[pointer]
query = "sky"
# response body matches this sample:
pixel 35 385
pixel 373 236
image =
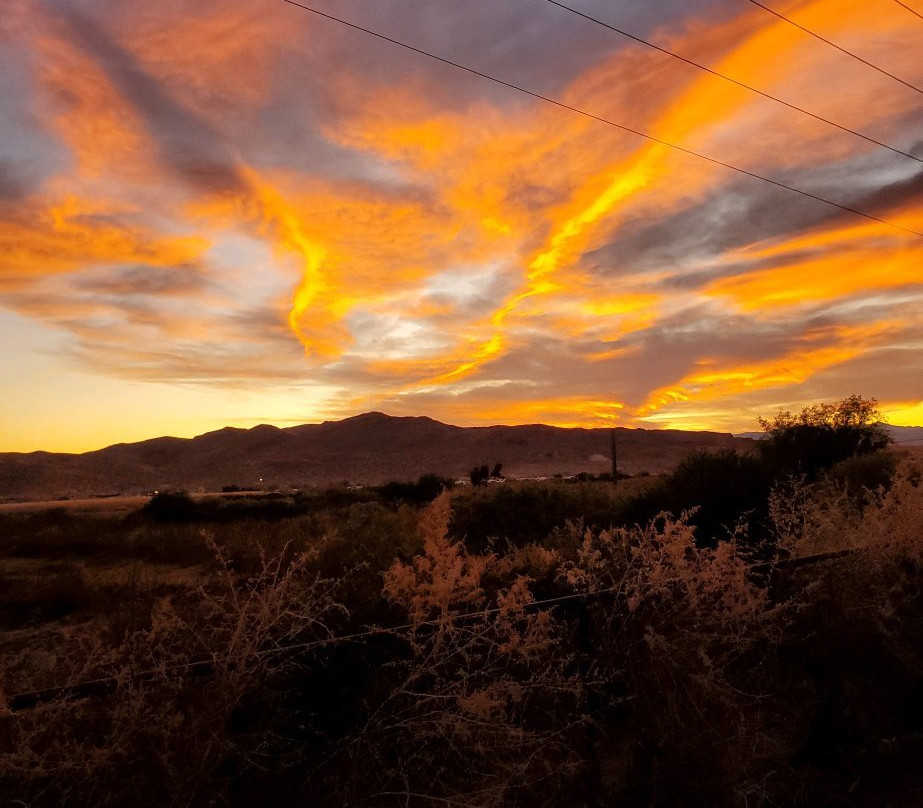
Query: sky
pixel 234 213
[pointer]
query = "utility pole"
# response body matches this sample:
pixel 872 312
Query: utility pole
pixel 615 471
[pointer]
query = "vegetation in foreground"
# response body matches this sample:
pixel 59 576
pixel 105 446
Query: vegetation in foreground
pixel 554 644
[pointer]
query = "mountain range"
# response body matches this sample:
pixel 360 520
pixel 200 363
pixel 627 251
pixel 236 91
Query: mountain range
pixel 367 449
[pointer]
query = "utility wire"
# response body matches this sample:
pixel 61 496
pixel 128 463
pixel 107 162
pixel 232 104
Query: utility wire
pixel 911 10
pixel 834 45
pixel 733 80
pixel 606 121
pixel 26 701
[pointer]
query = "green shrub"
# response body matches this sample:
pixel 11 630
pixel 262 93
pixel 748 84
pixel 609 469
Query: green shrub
pixel 422 492
pixel 863 473
pixel 522 514
pixel 170 506
pixel 727 490
pixel 722 491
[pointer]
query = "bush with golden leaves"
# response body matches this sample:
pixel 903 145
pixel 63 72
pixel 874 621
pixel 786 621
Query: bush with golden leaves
pixel 157 719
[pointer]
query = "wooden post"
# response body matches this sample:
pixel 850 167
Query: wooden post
pixel 615 470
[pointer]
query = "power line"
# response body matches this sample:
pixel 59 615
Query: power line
pixel 600 119
pixel 88 687
pixel 733 80
pixel 834 45
pixel 24 701
pixel 911 10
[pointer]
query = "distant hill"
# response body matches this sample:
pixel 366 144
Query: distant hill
pixel 367 449
pixel 906 435
pixel 901 435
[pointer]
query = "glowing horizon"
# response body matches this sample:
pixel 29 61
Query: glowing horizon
pixel 231 216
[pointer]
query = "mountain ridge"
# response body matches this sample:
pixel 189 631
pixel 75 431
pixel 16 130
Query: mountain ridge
pixel 369 448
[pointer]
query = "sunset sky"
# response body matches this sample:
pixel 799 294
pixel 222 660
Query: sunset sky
pixel 238 212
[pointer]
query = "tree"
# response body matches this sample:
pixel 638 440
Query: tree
pixel 822 435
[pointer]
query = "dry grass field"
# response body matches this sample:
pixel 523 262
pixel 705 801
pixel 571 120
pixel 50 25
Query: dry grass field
pixel 114 505
pixel 499 645
pixel 92 505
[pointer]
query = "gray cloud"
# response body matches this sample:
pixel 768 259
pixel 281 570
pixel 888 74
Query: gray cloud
pixel 143 281
pixel 732 217
pixel 512 177
pixel 13 187
pixel 187 143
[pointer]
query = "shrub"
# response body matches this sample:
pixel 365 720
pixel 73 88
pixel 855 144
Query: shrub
pixel 672 634
pixel 723 494
pixel 165 735
pixel 856 680
pixel 727 490
pixel 480 713
pixel 627 666
pixel 62 591
pixel 821 436
pixel 863 474
pixel 59 534
pixel 170 506
pixel 517 515
pixel 423 491
pixel 358 545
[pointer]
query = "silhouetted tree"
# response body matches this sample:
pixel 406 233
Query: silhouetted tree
pixel 479 475
pixel 820 436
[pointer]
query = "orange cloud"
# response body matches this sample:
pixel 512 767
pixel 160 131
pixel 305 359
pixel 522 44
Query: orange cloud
pixel 88 114
pixel 420 245
pixel 76 233
pixel 316 296
pixel 245 43
pixel 817 350
pixel 562 411
pixel 776 57
pixel 473 174
pixel 825 266
pixel 653 179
